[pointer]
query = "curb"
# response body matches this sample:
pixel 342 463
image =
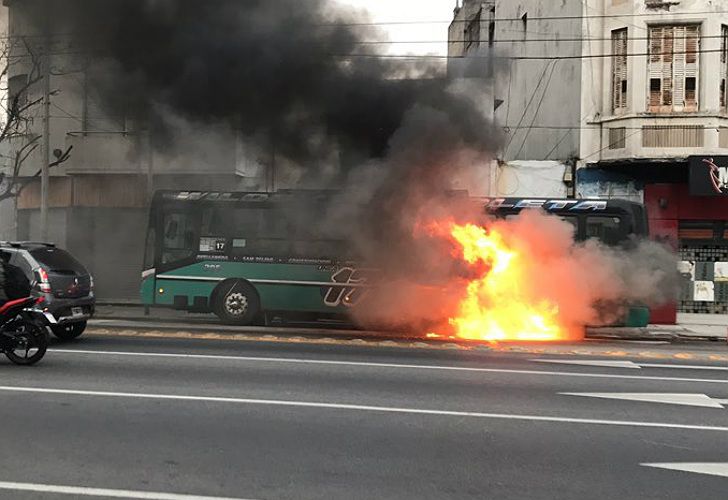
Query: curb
pixel 556 349
pixel 676 334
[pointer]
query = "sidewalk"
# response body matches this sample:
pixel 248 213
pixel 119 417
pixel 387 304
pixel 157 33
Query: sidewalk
pixel 689 327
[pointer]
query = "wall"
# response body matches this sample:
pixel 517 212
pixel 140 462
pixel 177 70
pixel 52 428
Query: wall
pixel 540 97
pixel 110 243
pixel 531 179
pixel 29 224
pixel 7 220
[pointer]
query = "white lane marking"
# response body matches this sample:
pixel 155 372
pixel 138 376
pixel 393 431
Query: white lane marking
pixel 102 492
pixel 685 367
pixel 365 408
pixel 591 362
pixel 646 397
pixel 628 364
pixel 711 468
pixel 385 365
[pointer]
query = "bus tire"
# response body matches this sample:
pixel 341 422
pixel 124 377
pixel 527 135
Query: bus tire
pixel 236 302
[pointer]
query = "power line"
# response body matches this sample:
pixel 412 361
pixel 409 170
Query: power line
pixel 538 108
pixel 442 57
pixel 527 58
pixel 518 40
pixel 533 96
pixel 546 157
pixel 521 19
pixel 598 126
pixel 506 40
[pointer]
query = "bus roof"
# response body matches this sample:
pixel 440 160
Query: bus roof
pixel 561 205
pixel 254 196
pixel 237 196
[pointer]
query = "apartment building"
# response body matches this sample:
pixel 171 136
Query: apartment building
pixel 633 94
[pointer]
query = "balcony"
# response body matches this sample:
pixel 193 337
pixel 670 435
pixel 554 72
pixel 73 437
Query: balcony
pixel 658 136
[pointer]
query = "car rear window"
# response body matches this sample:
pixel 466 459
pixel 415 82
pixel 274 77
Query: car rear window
pixel 55 259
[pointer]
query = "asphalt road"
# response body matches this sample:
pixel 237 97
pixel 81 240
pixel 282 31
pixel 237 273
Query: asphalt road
pixel 162 418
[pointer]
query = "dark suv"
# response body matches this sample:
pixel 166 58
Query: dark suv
pixel 67 286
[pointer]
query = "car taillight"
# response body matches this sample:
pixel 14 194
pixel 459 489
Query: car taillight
pixel 44 285
pixel 91 282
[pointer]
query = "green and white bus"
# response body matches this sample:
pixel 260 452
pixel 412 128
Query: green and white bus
pixel 242 255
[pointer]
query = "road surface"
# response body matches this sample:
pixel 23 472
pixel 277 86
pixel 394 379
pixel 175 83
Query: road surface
pixel 176 419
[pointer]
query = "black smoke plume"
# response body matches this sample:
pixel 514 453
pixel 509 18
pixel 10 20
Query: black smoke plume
pixel 292 75
pixel 296 77
pixel 284 71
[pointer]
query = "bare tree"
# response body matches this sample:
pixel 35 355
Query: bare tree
pixel 20 72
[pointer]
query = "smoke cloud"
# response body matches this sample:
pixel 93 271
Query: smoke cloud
pixel 589 283
pixel 291 73
pixel 296 80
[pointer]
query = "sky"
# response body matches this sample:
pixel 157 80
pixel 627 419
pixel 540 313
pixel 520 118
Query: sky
pixel 411 10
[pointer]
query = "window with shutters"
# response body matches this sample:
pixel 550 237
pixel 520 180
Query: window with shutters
pixel 673 68
pixel 619 70
pixel 724 69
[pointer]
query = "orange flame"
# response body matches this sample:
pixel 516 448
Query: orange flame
pixel 498 304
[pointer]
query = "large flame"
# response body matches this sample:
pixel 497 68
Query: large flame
pixel 498 304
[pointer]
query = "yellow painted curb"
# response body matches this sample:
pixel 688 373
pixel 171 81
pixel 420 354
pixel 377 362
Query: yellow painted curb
pixel 409 344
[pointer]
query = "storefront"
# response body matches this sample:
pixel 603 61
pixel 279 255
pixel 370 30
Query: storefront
pixel 693 217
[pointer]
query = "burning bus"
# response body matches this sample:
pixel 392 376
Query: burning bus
pixel 244 255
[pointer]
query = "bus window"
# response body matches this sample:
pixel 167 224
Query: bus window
pixel 179 240
pixel 605 229
pixel 574 221
pixel 259 232
pixel 571 219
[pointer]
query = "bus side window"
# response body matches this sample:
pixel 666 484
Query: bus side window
pixel 574 221
pixel 606 229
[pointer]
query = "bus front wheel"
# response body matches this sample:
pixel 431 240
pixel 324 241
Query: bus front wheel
pixel 236 302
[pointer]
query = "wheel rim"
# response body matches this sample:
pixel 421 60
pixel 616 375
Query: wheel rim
pixel 26 346
pixel 236 304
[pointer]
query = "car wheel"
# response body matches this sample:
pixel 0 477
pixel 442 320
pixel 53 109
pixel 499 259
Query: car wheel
pixel 69 331
pixel 236 302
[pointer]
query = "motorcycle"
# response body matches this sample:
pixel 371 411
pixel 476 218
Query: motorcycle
pixel 24 330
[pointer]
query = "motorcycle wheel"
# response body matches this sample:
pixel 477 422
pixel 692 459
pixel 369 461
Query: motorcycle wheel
pixel 31 346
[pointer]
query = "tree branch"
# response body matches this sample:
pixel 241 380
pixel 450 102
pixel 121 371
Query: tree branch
pixel 9 192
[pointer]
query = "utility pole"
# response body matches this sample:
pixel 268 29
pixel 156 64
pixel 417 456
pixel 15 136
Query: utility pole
pixel 45 146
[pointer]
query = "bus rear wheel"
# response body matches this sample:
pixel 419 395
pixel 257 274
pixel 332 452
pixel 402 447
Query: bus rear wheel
pixel 236 302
